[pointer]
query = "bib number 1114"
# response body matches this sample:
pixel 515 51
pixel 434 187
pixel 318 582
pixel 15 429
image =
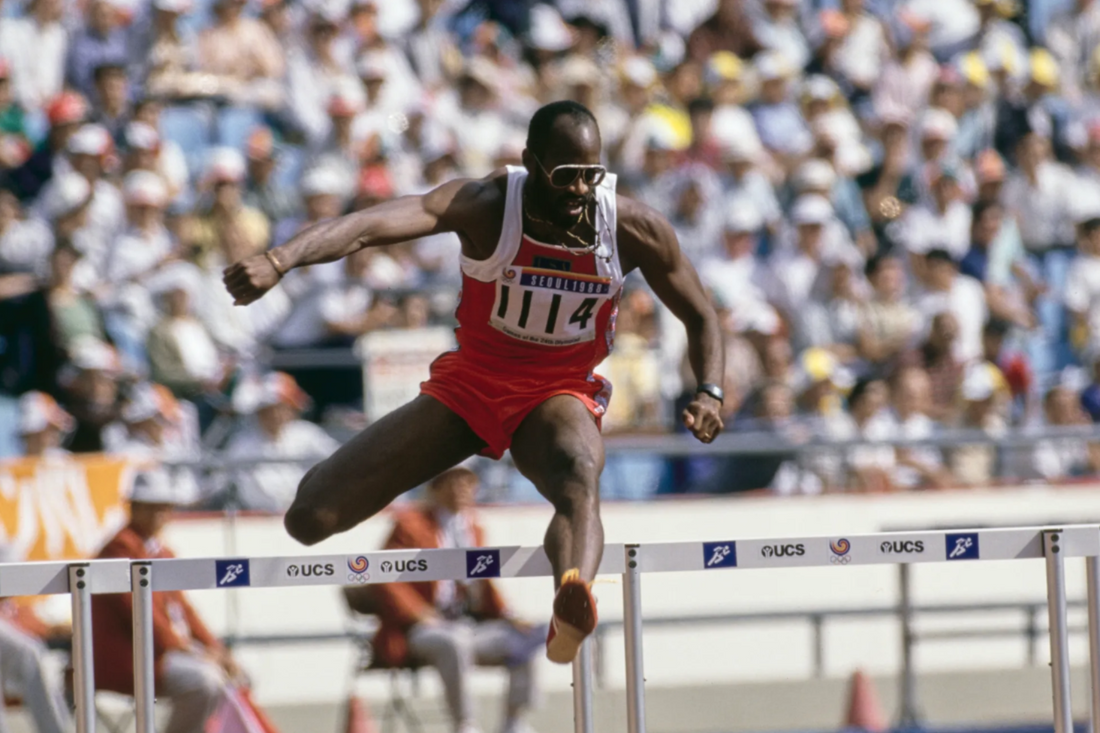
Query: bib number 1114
pixel 539 312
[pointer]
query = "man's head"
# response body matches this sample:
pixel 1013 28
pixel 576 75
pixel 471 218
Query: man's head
pixel 945 186
pixel 454 490
pixel 563 150
pixel 323 191
pixel 912 392
pixel 944 332
pixel 994 334
pixel 102 17
pixel 986 220
pixel 146 196
pixel 1062 406
pixel 88 150
pixel 225 173
pixel 887 277
pixel 810 214
pixel 942 269
pixel 278 400
pixel 42 423
pixel 112 87
pixel 867 397
pixel 152 503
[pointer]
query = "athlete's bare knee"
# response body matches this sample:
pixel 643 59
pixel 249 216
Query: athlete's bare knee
pixel 307 520
pixel 573 482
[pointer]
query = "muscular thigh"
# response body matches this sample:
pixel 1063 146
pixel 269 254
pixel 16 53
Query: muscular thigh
pixel 402 450
pixel 558 441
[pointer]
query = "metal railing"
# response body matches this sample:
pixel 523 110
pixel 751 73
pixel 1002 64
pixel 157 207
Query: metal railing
pixel 142 577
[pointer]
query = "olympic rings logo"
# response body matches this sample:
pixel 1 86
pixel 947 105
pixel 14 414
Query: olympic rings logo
pixel 840 549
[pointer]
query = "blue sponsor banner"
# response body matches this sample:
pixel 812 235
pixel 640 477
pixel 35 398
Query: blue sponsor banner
pixel 483 563
pixel 719 555
pixel 962 546
pixel 231 573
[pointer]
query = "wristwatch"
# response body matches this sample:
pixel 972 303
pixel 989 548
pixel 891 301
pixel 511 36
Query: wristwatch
pixel 712 390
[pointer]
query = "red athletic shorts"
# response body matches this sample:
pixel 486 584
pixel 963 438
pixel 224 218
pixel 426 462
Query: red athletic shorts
pixel 494 404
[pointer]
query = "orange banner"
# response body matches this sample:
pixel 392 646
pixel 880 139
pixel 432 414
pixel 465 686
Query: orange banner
pixel 61 507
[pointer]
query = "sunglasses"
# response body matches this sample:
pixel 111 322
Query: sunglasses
pixel 564 176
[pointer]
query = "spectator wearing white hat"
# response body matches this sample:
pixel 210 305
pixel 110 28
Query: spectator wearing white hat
pixel 830 318
pixel 145 243
pixel 182 354
pixel 817 176
pixel 92 392
pixel 746 185
pixel 193 669
pixel 919 466
pixel 694 207
pixel 777 29
pixel 170 63
pixel 324 189
pixel 477 123
pixel 276 432
pixel 778 119
pixel 737 277
pixel 146 150
pixel 795 269
pixel 983 393
pixel 243 57
pixel 315 71
pixel 88 151
pixel 864 50
pixel 35 46
pixel 43 425
pixel 64 207
pixel 228 230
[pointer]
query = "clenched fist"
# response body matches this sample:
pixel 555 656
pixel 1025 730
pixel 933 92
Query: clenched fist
pixel 702 418
pixel 250 278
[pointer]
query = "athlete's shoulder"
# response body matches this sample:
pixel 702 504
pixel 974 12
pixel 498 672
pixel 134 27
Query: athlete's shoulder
pixel 643 233
pixel 470 199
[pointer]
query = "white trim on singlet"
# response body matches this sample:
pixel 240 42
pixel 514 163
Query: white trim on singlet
pixel 511 232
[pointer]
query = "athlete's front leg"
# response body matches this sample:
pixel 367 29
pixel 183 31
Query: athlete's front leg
pixel 559 448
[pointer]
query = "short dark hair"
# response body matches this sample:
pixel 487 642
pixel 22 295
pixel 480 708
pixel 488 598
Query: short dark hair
pixel 996 327
pixel 700 105
pixel 860 388
pixel 940 255
pixel 542 122
pixel 108 67
pixel 980 207
pixel 875 263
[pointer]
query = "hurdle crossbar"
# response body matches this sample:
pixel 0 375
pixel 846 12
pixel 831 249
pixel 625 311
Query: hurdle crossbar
pixel 143 578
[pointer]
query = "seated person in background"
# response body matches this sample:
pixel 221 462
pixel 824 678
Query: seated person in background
pixel 276 433
pixel 192 667
pixel 93 393
pixel 983 393
pixel 919 466
pixel 24 667
pixel 1054 459
pixel 42 426
pixel 453 625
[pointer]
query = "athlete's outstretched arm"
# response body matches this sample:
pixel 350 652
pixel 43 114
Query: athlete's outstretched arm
pixel 647 242
pixel 444 209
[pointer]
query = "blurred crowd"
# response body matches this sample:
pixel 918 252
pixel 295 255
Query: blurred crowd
pixel 894 203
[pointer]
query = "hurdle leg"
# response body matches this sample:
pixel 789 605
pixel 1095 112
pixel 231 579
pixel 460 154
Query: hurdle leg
pixel 141 579
pixel 632 630
pixel 83 667
pixel 1092 570
pixel 1059 634
pixel 583 719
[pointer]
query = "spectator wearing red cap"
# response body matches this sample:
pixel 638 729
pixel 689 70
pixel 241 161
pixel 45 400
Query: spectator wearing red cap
pixel 228 230
pixel 65 113
pixel 276 432
pixel 35 46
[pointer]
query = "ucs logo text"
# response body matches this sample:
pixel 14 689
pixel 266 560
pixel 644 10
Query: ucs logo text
pixel 403 566
pixel 901 547
pixel 783 550
pixel 317 570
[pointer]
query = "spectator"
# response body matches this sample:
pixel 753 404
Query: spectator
pixel 276 433
pixel 919 466
pixel 936 356
pixel 87 153
pixel 146 151
pixel 171 61
pixel 144 244
pixel 182 354
pixel 634 365
pixel 795 270
pixel 947 290
pixel 864 50
pixel 228 230
pixel 74 312
pixel 344 147
pixel 14 144
pixel 243 56
pixel 747 186
pixel 868 468
pixel 192 667
pixel 315 71
pixel 739 278
pixel 65 113
pixel 264 191
pixel 996 259
pixel 43 425
pixel 1072 36
pixel 1036 109
pixel 830 319
pixel 982 392
pixel 888 323
pixel 777 30
pixel 25 244
pixel 1082 293
pixel 1055 459
pixel 978 117
pixel 778 119
pixel 694 208
pixel 93 393
pixel 35 46
pixel 453 625
pixel 101 42
pixel 944 225
pixel 727 30
pixel 112 96
pixel 906 80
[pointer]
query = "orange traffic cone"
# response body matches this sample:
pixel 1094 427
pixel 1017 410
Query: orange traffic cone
pixel 359 719
pixel 864 709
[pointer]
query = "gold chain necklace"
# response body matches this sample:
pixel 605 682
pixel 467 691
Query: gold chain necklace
pixel 586 247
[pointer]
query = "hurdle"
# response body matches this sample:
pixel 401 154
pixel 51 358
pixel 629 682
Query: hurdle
pixel 144 577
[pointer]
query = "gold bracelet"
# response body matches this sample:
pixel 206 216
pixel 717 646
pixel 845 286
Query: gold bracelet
pixel 274 262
